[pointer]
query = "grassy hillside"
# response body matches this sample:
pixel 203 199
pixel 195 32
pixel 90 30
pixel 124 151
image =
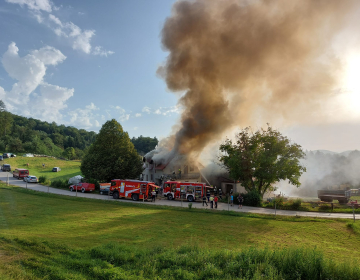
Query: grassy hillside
pixel 68 168
pixel 74 238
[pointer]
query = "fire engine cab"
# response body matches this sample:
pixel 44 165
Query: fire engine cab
pixel 190 191
pixel 133 189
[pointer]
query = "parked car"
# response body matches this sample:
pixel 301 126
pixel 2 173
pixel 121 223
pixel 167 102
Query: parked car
pixel 6 155
pixel 56 169
pixel 1 158
pixel 83 187
pixel 12 155
pixel 31 179
pixel 20 173
pixel 6 167
pixel 104 188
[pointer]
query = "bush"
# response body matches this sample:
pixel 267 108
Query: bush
pixel 296 204
pixel 252 198
pixel 60 184
pixel 42 179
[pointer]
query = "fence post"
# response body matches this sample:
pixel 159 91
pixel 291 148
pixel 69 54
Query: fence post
pixel 353 212
pixel 275 208
pixel 76 189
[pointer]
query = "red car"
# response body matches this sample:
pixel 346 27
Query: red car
pixel 83 187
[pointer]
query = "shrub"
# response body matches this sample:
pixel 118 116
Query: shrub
pixel 252 198
pixel 42 179
pixel 60 183
pixel 296 204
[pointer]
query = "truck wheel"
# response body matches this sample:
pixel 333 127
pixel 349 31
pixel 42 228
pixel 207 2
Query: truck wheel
pixel 169 196
pixel 190 198
pixel 135 197
pixel 82 190
pixel 115 195
pixel 71 189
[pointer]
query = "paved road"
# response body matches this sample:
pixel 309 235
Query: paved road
pixel 221 206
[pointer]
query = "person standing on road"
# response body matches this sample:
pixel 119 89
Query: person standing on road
pixel 153 195
pixel 216 201
pixel 204 200
pixel 208 196
pixel 211 202
pixel 241 200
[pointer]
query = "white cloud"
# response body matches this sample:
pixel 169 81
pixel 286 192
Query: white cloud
pixel 100 51
pixel 51 101
pixel 123 116
pixel 38 5
pixel 137 115
pixel 146 110
pixel 55 20
pixel 162 110
pixel 79 38
pixel 85 117
pixel 29 71
pixel 92 107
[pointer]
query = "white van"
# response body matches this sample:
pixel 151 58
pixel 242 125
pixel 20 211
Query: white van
pixel 56 169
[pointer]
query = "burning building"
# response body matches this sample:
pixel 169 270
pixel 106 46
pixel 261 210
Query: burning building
pixel 178 168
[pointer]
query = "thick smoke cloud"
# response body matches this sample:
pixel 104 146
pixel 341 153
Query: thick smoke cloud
pixel 326 171
pixel 243 62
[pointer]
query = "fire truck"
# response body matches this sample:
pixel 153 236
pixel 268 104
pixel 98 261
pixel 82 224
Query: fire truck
pixel 190 191
pixel 133 189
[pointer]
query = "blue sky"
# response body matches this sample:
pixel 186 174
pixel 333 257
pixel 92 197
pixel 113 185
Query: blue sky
pixel 104 58
pixel 81 63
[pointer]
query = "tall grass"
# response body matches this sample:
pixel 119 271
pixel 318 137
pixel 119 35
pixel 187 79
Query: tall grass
pixel 115 261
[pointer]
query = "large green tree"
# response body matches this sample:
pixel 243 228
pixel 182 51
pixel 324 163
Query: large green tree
pixel 112 155
pixel 260 159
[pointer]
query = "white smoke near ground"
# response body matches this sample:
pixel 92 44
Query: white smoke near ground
pixel 326 170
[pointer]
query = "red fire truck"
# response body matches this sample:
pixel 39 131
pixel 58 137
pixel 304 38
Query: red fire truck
pixel 190 191
pixel 133 189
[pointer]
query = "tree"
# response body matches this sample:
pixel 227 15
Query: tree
pixel 143 145
pixel 258 160
pixel 111 156
pixel 6 119
pixel 69 153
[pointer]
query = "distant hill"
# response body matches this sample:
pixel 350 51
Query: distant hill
pixel 22 135
pixel 327 152
pixel 28 135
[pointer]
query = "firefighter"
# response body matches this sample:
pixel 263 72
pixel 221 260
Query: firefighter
pixel 204 200
pixel 179 173
pixel 208 195
pixel 153 195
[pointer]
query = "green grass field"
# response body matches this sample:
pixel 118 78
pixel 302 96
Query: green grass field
pixel 76 238
pixel 68 168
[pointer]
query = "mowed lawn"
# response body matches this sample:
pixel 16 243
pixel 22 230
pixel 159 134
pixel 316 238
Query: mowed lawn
pixel 86 223
pixel 69 168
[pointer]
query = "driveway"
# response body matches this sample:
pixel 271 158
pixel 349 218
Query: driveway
pixel 4 176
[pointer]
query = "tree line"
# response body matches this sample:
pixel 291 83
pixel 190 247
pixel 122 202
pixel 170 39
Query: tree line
pixel 27 135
